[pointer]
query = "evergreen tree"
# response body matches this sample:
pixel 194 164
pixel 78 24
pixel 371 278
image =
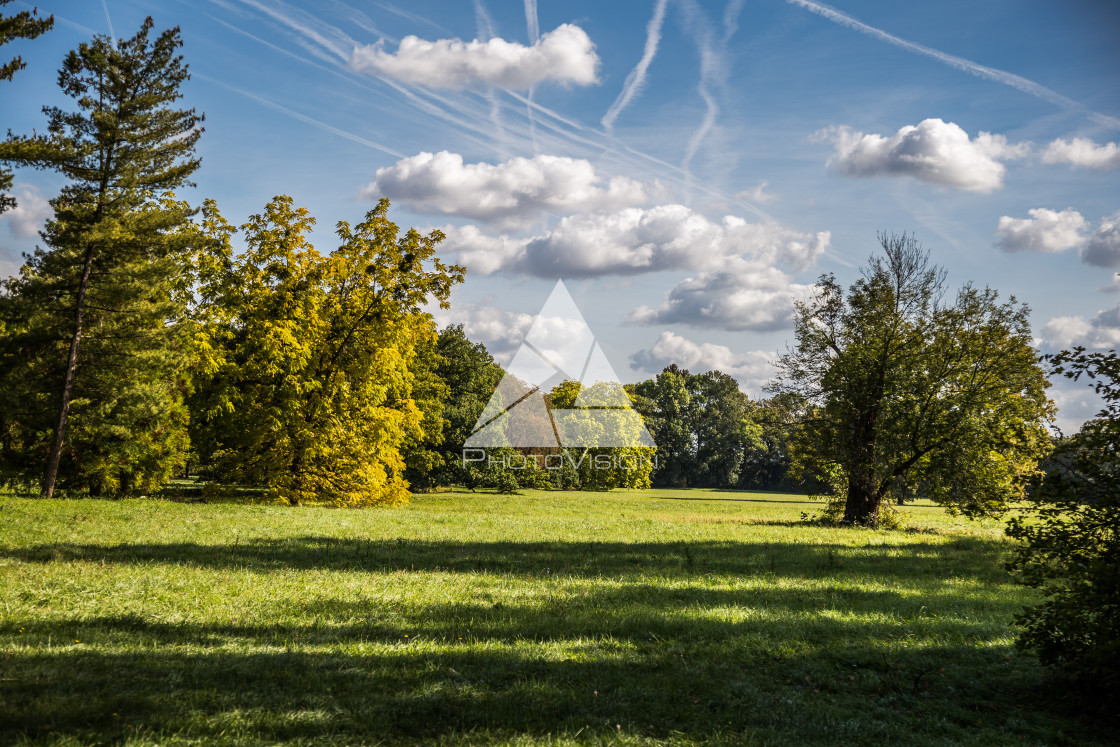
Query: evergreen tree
pixel 23 25
pixel 90 322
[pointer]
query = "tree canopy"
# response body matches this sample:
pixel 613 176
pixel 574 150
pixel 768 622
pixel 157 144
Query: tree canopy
pixel 908 391
pixel 308 359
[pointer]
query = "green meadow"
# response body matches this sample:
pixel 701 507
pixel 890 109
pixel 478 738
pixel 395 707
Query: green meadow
pixel 643 617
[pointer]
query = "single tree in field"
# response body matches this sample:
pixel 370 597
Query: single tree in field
pixel 906 390
pixel 1070 543
pixel 103 295
pixel 309 359
pixel 23 25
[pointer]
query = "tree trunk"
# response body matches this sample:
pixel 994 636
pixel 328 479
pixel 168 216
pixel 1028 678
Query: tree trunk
pixel 862 504
pixel 51 477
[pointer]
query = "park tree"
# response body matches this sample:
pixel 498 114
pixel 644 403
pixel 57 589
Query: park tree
pixel 905 390
pixel 602 467
pixel 466 377
pixel 766 465
pixel 1069 542
pixel 665 403
pixel 90 332
pixel 702 425
pixel 23 25
pixel 308 358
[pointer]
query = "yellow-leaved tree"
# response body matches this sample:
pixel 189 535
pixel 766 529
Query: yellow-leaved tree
pixel 307 358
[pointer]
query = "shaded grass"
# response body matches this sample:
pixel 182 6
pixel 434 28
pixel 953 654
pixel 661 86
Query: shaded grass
pixel 636 617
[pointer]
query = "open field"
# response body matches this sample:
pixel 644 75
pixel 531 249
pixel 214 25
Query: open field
pixel 633 617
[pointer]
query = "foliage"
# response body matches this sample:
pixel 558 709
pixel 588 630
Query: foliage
pixel 766 464
pixel 93 357
pixel 1070 542
pixel 703 426
pixel 23 25
pixel 906 390
pixel 602 468
pixel 467 375
pixel 309 358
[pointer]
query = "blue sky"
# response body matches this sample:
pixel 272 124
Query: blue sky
pixel 688 167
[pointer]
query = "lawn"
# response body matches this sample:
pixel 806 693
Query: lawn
pixel 650 617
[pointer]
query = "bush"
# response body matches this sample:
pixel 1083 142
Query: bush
pixel 1070 544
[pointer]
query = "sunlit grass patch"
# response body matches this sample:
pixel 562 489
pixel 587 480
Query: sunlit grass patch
pixel 637 617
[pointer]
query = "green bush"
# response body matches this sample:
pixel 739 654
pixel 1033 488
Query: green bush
pixel 1070 544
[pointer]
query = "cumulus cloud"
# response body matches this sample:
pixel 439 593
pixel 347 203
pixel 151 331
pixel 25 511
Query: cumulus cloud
pixel 1083 152
pixel 26 219
pixel 1103 247
pixel 564 55
pixel 510 194
pixel 1101 331
pixel 932 151
pixel 637 240
pixel 752 369
pixel 500 331
pixel 1045 231
pixel 746 297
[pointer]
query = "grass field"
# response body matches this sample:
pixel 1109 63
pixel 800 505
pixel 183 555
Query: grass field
pixel 652 617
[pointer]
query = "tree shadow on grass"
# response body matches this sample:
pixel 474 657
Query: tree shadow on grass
pixel 965 557
pixel 652 669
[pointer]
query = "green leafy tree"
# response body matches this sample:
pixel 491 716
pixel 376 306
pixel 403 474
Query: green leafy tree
pixel 665 404
pixel 1069 542
pixel 23 25
pixel 702 424
pixel 601 468
pixel 906 390
pixel 95 312
pixel 467 376
pixel 766 465
pixel 309 358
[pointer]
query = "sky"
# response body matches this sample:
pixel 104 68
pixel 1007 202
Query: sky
pixel 689 168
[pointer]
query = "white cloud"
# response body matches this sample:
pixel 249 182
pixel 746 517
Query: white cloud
pixel 26 219
pixel 1084 153
pixel 502 332
pixel 753 369
pixel 1045 231
pixel 1103 247
pixel 564 55
pixel 512 193
pixel 932 151
pixel 747 297
pixel 637 240
pixel 1102 331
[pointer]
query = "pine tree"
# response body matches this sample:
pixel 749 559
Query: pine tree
pixel 91 334
pixel 23 25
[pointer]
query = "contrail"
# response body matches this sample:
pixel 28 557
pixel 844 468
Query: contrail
pixel 533 26
pixel 108 20
pixel 486 32
pixel 637 77
pixel 531 21
pixel 968 66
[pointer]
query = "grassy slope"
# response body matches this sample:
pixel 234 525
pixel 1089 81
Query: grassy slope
pixel 664 616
